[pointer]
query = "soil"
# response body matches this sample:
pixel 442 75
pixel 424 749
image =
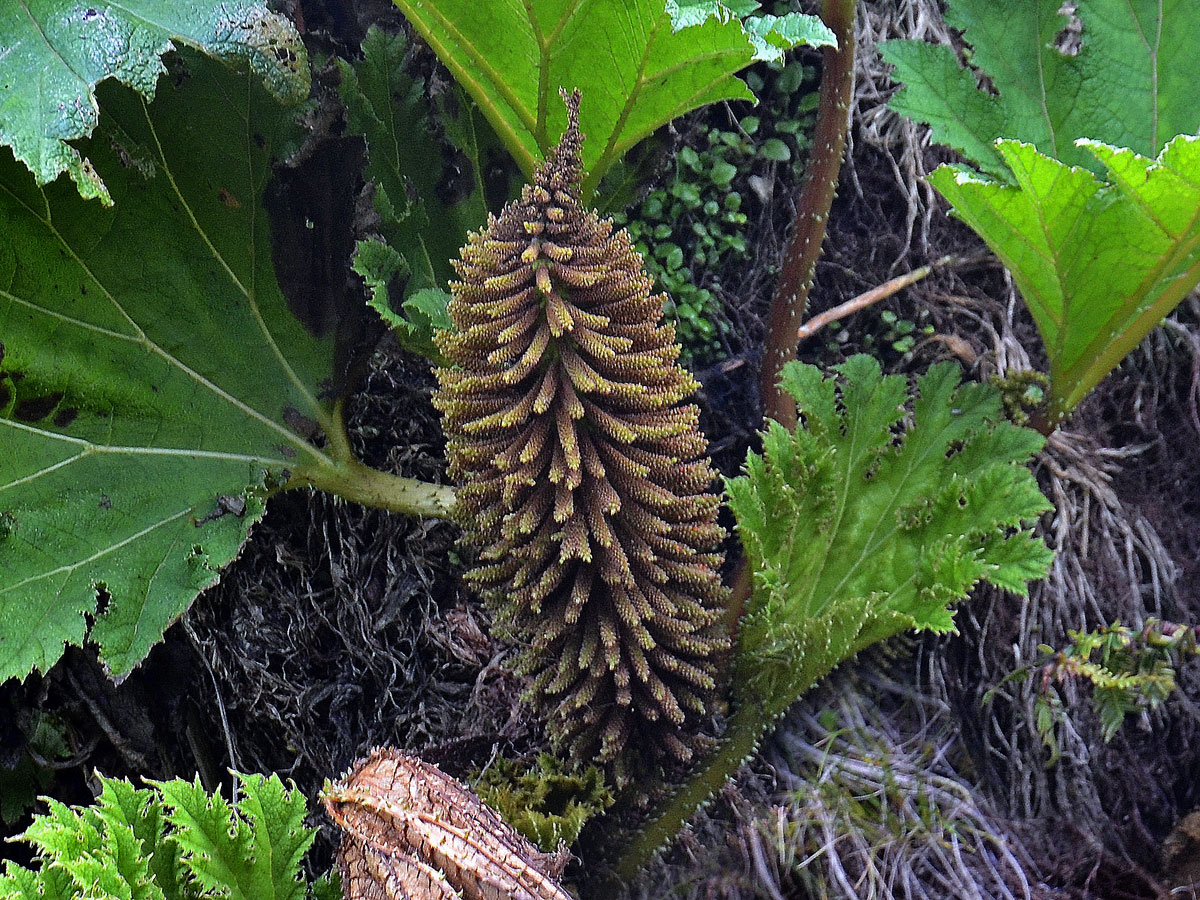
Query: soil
pixel 340 628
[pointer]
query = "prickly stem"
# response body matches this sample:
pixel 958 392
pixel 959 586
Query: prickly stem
pixel 746 728
pixel 808 231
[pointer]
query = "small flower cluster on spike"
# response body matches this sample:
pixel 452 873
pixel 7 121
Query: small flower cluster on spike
pixel 584 482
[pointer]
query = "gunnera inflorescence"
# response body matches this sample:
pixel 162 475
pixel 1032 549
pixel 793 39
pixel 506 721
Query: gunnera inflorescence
pixel 584 482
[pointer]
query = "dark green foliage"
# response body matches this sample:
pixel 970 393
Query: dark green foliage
pixel 407 159
pixel 885 336
pixel 547 804
pixel 901 334
pixel 693 228
pixel 40 740
pixel 693 222
pixel 424 310
pixel 409 164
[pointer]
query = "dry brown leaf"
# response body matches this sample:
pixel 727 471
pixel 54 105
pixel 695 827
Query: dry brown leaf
pixel 411 832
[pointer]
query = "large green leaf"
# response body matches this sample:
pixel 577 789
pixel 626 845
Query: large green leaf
pixel 854 535
pixel 153 383
pixel 1098 262
pixel 53 53
pixel 1101 251
pixel 635 70
pixel 1132 83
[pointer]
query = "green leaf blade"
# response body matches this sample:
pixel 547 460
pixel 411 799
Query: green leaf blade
pixel 214 843
pixel 279 839
pixel 636 70
pixel 1100 239
pixel 1099 264
pixel 58 51
pixel 121 804
pixel 19 883
pixel 855 534
pixel 1129 85
pixel 942 94
pixel 154 385
pixel 251 852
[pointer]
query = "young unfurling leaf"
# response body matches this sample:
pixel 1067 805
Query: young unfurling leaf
pixel 876 514
pixel 173 842
pixel 858 529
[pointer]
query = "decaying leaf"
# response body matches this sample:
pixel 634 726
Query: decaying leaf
pixel 411 832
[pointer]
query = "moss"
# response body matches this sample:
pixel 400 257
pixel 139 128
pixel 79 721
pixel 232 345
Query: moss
pixel 546 803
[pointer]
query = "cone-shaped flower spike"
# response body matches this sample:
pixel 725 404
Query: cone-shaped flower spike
pixel 584 482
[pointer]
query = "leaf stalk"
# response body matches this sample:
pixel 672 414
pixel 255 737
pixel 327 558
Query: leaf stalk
pixel 816 198
pixel 346 477
pixel 353 481
pixel 746 727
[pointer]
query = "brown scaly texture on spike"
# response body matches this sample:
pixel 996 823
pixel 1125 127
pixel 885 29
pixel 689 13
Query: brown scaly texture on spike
pixel 584 482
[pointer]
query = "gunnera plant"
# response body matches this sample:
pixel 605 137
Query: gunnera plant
pixel 585 489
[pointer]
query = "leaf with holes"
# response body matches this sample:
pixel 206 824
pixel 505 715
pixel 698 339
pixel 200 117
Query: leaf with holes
pixel 53 53
pixel 153 384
